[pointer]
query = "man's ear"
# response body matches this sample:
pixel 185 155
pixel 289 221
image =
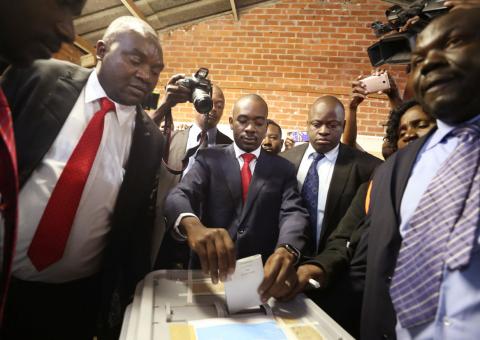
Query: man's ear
pixel 101 49
pixel 230 121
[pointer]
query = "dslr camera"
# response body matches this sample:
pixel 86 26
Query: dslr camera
pixel 201 89
pixel 396 48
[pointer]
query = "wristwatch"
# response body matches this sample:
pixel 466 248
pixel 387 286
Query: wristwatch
pixel 292 250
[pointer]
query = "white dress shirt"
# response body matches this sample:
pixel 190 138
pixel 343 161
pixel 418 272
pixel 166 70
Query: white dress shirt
pixel 325 172
pixel 87 239
pixel 193 141
pixel 238 155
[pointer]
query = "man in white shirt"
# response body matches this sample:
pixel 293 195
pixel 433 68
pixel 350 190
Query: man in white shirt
pixel 340 169
pixel 29 30
pixel 87 158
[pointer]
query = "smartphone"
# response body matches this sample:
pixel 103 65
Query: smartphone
pixel 299 136
pixel 376 83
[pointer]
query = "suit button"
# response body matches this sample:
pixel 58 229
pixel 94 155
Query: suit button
pixel 385 336
pixel 241 230
pixel 388 279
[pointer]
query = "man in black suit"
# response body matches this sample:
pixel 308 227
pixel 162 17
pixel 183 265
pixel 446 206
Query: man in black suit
pixel 173 254
pixel 438 285
pixel 236 217
pixel 341 168
pixel 29 30
pixel 87 177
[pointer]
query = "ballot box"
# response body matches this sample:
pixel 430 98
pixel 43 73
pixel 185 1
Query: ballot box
pixel 185 305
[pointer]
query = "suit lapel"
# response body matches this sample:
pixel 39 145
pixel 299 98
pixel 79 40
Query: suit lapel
pixel 403 168
pixel 297 155
pixel 341 173
pixel 36 136
pixel 178 148
pixel 260 175
pixel 137 182
pixel 232 177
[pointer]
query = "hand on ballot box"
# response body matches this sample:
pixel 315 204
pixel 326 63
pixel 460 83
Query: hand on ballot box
pixel 213 246
pixel 306 274
pixel 280 277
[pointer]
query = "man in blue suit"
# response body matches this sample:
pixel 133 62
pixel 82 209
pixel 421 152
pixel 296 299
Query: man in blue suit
pixel 239 200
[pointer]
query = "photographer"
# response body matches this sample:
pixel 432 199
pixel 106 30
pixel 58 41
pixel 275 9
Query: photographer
pixel 183 146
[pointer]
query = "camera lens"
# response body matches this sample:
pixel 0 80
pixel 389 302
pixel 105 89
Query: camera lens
pixel 202 101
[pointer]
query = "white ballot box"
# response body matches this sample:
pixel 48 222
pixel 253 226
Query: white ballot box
pixel 185 305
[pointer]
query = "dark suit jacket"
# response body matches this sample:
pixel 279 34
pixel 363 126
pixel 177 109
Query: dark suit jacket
pixel 384 240
pixel 272 215
pixel 41 98
pixel 352 168
pixel 167 253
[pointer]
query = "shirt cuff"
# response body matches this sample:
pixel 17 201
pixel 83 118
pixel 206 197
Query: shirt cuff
pixel 177 234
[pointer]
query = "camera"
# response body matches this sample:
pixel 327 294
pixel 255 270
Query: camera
pixel 396 48
pixel 201 89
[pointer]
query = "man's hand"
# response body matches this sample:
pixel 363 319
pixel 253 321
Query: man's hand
pixel 279 275
pixel 213 246
pixel 174 94
pixel 305 273
pixel 289 142
pixel 359 93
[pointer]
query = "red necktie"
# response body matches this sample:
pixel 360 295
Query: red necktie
pixel 52 233
pixel 246 174
pixel 8 193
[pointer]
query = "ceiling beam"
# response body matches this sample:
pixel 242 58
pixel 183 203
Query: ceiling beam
pixel 234 9
pixel 84 45
pixel 133 9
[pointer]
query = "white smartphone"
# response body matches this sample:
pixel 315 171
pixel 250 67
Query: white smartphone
pixel 376 83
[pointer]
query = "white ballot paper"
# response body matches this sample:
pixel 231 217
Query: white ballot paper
pixel 241 289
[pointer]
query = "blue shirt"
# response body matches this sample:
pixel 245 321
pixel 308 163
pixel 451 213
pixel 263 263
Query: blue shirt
pixel 458 314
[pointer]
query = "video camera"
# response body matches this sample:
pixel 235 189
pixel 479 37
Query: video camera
pixel 201 89
pixel 396 48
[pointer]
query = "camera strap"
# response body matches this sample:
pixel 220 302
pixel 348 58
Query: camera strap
pixel 167 132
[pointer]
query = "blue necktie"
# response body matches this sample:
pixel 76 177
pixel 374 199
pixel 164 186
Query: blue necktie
pixel 310 195
pixel 441 232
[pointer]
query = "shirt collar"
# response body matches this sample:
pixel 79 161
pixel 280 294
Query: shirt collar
pixel 239 152
pixel 94 91
pixel 331 155
pixel 212 133
pixel 443 129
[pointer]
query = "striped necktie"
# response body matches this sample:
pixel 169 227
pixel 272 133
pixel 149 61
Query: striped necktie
pixel 441 232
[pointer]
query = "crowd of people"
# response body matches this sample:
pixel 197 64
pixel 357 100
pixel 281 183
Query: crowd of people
pixel 89 203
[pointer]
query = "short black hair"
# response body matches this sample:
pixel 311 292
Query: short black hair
pixel 393 122
pixel 272 122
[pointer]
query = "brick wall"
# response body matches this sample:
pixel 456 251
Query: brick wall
pixel 290 52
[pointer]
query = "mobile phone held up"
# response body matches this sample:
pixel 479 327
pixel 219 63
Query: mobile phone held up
pixel 376 83
pixel 299 136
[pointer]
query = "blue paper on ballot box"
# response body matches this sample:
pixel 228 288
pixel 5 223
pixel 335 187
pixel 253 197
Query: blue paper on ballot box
pixel 241 331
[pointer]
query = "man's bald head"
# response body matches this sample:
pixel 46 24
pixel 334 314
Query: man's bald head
pixel 128 24
pixel 249 122
pixel 329 103
pixel 326 121
pixel 250 98
pixel 446 66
